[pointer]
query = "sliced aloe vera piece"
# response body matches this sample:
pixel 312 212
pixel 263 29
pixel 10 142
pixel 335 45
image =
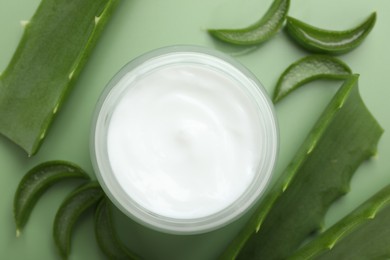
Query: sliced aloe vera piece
pixel 363 234
pixel 328 41
pixel 345 135
pixel 69 212
pixel 49 58
pixel 38 180
pixel 258 32
pixel 308 69
pixel 106 236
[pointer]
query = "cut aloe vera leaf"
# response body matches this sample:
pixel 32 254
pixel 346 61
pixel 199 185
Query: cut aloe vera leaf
pixel 78 201
pixel 363 234
pixel 258 32
pixel 49 58
pixel 308 69
pixel 327 41
pixel 345 135
pixel 36 182
pixel 106 236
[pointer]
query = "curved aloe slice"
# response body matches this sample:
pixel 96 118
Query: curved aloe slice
pixel 38 180
pixel 363 234
pixel 106 235
pixel 70 210
pixel 50 56
pixel 308 69
pixel 345 135
pixel 327 41
pixel 259 32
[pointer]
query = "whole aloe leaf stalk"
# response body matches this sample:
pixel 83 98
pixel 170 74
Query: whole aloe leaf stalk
pixel 363 234
pixel 50 55
pixel 345 135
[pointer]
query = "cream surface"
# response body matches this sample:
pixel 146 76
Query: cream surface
pixel 184 141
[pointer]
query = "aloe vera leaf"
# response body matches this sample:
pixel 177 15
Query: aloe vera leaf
pixel 329 41
pixel 53 50
pixel 308 69
pixel 345 135
pixel 36 182
pixel 258 32
pixel 106 236
pixel 70 210
pixel 362 234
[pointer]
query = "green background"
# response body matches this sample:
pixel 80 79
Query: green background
pixel 139 26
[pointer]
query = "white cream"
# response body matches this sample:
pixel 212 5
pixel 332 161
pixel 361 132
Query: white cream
pixel 184 140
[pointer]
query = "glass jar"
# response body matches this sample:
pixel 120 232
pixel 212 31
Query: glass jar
pixel 206 61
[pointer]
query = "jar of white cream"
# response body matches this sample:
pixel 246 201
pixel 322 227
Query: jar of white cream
pixel 184 140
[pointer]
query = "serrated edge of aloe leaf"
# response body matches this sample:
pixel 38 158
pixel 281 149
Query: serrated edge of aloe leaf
pixel 300 32
pixel 68 214
pixel 100 22
pixel 43 176
pixel 32 145
pixel 254 224
pixel 114 249
pixel 361 215
pixel 298 68
pixel 258 32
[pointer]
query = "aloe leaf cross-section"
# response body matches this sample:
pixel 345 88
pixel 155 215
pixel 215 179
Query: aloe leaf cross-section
pixel 50 55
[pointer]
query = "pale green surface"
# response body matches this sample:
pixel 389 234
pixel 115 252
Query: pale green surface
pixel 142 25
